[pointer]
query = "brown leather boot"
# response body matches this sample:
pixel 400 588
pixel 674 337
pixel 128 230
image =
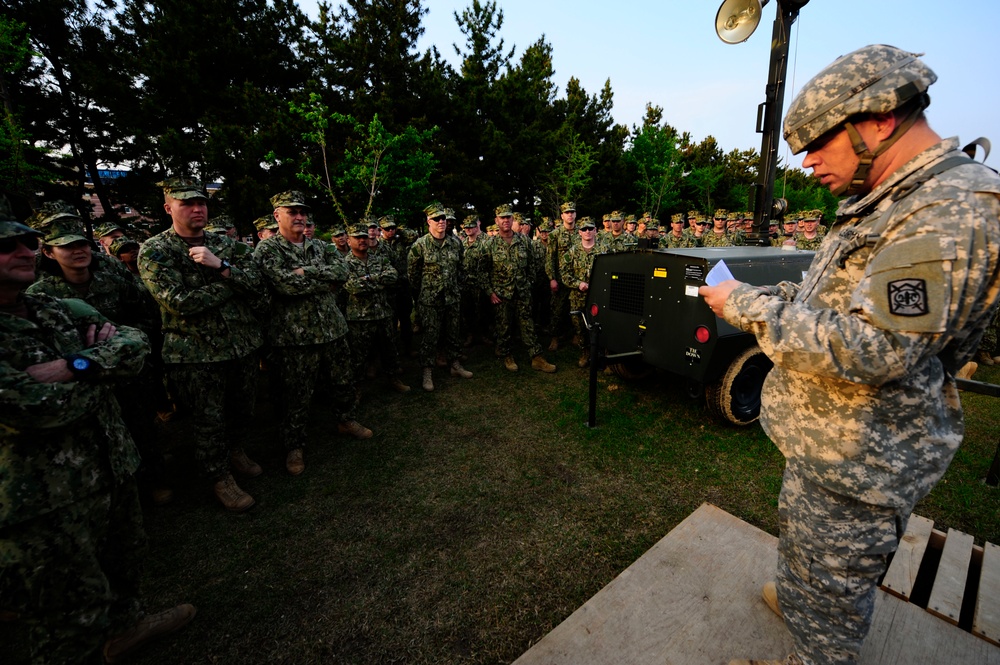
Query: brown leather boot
pixel 231 496
pixel 355 429
pixel 509 363
pixel 542 365
pixel 398 385
pixel 149 627
pixel 242 464
pixel 294 462
pixel 584 358
pixel 554 344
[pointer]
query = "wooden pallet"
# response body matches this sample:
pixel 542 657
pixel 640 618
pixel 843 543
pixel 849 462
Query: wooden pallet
pixel 949 576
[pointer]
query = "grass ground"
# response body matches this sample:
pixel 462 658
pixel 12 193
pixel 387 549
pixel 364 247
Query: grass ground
pixel 476 519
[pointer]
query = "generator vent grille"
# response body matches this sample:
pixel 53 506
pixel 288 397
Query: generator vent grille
pixel 628 290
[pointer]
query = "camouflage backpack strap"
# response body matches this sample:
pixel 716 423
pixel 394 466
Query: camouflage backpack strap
pixel 858 240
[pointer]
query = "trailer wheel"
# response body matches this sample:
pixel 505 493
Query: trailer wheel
pixel 631 370
pixel 735 397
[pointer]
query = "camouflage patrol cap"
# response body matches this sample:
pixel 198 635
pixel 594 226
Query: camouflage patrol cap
pixel 873 79
pixel 616 216
pixel 731 217
pixel 470 221
pixel 585 223
pixel 338 231
pixel 721 213
pixel 387 222
pixel 219 224
pixel 813 215
pixel 677 218
pixel 63 231
pixel 106 228
pixel 292 197
pixel 569 206
pixel 122 244
pixel 504 210
pixel 449 213
pixel 435 209
pixel 370 222
pixel 546 226
pixel 629 218
pixel 493 228
pixel 182 187
pixel 266 222
pixel 9 226
pixel 693 214
pixel 518 217
pixel 358 230
pixel 653 224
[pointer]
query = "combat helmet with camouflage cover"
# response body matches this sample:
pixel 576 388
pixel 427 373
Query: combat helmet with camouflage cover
pixel 873 79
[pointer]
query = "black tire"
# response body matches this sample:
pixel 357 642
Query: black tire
pixel 631 370
pixel 735 398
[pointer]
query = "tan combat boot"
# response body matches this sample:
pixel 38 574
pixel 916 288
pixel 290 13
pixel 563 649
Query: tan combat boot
pixel 554 344
pixel 294 462
pixel 459 371
pixel 398 385
pixel 355 429
pixel 542 365
pixel 770 595
pixel 968 369
pixel 232 497
pixel 509 363
pixel 149 627
pixel 584 358
pixel 242 464
pixel 428 380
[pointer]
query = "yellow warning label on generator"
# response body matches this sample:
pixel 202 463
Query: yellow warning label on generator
pixel 660 272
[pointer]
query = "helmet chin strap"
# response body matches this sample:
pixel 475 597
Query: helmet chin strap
pixel 866 156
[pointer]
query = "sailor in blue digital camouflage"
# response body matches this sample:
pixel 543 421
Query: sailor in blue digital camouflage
pixel 510 264
pixel 72 543
pixel 434 269
pixel 559 241
pixel 307 332
pixel 208 290
pixel 370 324
pixel 866 348
pixel 575 266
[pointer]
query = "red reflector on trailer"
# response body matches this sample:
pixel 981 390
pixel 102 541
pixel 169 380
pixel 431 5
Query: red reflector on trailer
pixel 702 334
pixel 594 310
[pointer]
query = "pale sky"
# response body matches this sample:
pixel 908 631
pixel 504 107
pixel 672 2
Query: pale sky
pixel 666 52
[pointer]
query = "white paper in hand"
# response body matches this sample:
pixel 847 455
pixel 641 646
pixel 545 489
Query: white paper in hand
pixel 718 274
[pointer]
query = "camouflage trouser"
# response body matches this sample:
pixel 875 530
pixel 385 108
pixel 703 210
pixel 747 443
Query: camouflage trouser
pixel 559 313
pixel 220 398
pixel 370 338
pixel 988 344
pixel 71 578
pixel 298 372
pixel 402 308
pixel 440 323
pixel 578 302
pixel 831 553
pixel 509 313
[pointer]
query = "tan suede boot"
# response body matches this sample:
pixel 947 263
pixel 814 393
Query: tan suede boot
pixel 148 628
pixel 231 496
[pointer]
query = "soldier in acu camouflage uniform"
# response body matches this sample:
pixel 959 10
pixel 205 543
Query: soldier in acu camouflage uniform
pixel 559 241
pixel 510 263
pixel 434 268
pixel 72 543
pixel 370 279
pixel 865 349
pixel 307 332
pixel 207 288
pixel 575 267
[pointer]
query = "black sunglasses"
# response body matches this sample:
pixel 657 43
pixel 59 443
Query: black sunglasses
pixel 9 245
pixel 439 218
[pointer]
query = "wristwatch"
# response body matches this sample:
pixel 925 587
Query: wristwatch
pixel 224 266
pixel 81 367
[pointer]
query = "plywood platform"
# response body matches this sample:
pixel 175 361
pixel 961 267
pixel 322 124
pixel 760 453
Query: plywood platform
pixel 694 598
